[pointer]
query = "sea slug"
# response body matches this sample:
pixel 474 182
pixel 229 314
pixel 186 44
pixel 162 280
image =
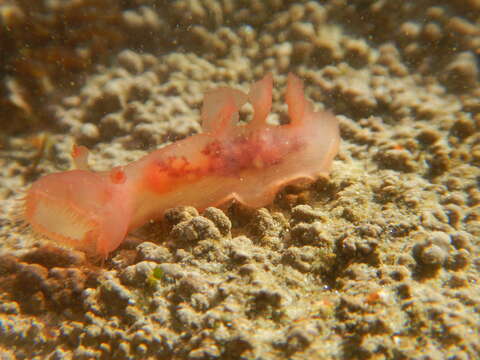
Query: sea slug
pixel 94 211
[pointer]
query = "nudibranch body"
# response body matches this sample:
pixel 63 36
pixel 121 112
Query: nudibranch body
pixel 94 211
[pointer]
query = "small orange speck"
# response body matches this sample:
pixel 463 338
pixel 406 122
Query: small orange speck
pixel 117 175
pixel 377 297
pixel 75 150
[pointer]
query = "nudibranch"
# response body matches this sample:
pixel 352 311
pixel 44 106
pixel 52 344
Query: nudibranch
pixel 94 211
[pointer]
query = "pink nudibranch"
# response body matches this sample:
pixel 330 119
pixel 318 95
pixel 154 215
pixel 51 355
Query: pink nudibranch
pixel 94 211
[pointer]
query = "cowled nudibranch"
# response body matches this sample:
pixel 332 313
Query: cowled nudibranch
pixel 94 211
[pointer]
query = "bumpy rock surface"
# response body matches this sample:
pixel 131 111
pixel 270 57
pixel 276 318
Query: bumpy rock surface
pixel 379 261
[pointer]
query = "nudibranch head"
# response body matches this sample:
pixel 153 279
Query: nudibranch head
pixel 79 208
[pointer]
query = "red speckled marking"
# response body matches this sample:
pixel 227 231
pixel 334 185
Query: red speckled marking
pixel 221 159
pixel 245 153
pixel 164 176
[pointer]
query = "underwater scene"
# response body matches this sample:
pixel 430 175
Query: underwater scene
pixel 239 179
